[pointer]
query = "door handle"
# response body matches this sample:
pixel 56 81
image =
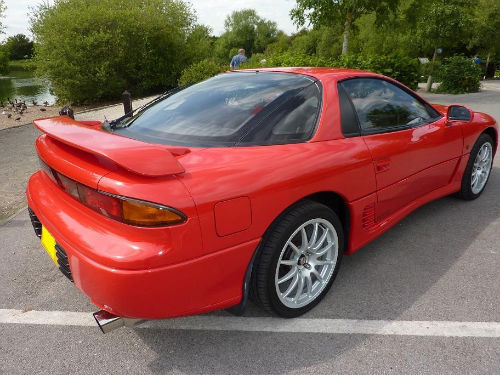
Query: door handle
pixel 382 165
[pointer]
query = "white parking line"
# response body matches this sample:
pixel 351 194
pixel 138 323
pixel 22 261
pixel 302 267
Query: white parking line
pixel 265 324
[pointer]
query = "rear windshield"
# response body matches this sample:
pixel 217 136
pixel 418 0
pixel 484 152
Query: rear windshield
pixel 231 109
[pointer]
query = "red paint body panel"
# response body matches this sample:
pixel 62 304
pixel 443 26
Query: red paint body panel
pixel 414 163
pixel 273 177
pixel 230 197
pixel 233 216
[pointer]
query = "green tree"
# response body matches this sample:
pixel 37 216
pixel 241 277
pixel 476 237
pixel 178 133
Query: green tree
pixel 442 24
pixel 199 43
pixel 19 47
pixel 305 42
pixel 4 56
pixel 245 29
pixel 93 50
pixel 394 35
pixel 4 60
pixel 332 12
pixel 486 28
pixel 282 44
pixel 2 14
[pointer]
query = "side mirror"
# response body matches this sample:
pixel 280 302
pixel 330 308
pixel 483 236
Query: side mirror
pixel 458 113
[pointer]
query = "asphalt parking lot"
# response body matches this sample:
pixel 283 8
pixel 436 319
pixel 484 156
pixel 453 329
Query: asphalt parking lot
pixel 424 298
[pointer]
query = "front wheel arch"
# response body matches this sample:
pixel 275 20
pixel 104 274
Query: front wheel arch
pixel 494 136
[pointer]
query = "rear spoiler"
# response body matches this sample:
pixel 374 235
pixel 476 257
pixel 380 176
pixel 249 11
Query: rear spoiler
pixel 135 156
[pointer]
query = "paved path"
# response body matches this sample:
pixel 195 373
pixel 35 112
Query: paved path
pixel 110 112
pixel 421 299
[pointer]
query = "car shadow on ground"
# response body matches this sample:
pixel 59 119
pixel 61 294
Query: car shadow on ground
pixel 384 280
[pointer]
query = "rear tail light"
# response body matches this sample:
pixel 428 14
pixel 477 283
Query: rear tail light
pixel 126 210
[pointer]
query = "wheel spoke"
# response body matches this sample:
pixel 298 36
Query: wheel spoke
pixel 291 286
pixel 304 239
pixel 309 284
pixel 290 262
pixel 485 163
pixel 300 288
pixel 482 178
pixel 314 235
pixel 320 241
pixel 288 276
pixel 482 153
pixel 316 273
pixel 474 179
pixel 324 250
pixel 486 154
pixel 294 248
pixel 323 262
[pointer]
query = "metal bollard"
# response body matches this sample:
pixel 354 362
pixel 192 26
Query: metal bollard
pixel 127 101
pixel 67 111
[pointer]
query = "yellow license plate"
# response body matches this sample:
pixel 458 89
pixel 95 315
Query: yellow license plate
pixel 49 244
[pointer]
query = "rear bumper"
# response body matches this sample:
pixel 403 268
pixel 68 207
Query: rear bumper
pixel 123 283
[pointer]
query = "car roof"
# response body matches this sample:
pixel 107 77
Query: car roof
pixel 319 73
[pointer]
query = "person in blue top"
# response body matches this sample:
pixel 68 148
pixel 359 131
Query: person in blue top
pixel 238 59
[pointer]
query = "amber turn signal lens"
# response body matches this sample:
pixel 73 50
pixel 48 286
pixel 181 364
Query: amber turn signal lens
pixel 143 214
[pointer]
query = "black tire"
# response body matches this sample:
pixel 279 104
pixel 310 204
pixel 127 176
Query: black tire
pixel 264 285
pixel 466 192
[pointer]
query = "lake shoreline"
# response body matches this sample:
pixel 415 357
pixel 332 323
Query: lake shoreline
pixel 30 114
pixel 95 111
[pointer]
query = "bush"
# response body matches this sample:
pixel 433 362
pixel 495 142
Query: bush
pixel 458 75
pixel 200 71
pixel 92 50
pixel 293 59
pixel 403 69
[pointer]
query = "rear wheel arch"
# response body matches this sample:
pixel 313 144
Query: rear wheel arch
pixel 331 199
pixel 338 204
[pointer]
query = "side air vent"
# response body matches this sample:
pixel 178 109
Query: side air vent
pixel 368 218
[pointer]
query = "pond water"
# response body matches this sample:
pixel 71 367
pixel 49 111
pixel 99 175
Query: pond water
pixel 23 85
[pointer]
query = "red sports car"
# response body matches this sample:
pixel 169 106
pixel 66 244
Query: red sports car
pixel 253 182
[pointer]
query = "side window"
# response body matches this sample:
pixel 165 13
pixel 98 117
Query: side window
pixel 292 121
pixel 382 105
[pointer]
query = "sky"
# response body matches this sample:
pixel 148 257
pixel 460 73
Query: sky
pixel 210 12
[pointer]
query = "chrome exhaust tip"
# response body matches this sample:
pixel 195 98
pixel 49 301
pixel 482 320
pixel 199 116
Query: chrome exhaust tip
pixel 108 322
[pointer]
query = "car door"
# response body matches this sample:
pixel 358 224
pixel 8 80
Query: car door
pixel 414 150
